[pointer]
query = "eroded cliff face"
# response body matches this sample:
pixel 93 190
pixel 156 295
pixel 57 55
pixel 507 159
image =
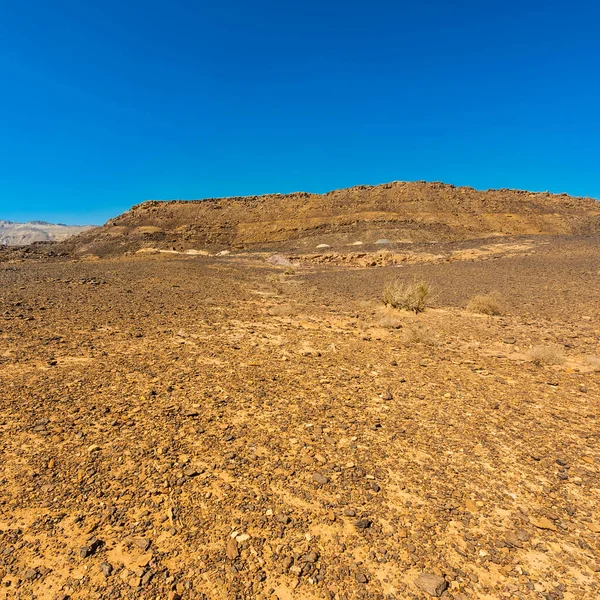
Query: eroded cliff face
pixel 398 212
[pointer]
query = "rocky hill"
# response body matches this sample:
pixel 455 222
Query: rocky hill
pixel 394 212
pixel 22 234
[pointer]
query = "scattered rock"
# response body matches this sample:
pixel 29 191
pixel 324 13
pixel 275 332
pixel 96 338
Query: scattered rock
pixel 543 523
pixel 320 479
pixel 512 539
pixel 142 543
pixel 31 574
pixel 434 585
pixel 90 548
pixel 283 518
pixel 232 550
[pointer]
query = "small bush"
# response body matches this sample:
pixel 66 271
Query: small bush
pixel 546 355
pixel 486 304
pixel 407 296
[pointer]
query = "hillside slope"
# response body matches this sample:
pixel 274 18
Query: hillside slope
pixel 398 211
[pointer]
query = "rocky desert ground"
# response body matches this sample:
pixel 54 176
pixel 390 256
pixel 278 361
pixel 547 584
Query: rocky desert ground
pixel 256 424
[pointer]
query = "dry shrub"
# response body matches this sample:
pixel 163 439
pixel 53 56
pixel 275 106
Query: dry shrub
pixel 419 335
pixel 593 362
pixel 407 296
pixel 281 310
pixel 486 304
pixel 546 355
pixel 390 322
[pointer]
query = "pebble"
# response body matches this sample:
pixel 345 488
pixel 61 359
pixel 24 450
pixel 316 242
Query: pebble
pixel 320 479
pixel 89 548
pixel 232 550
pixel 283 519
pixel 512 539
pixel 543 523
pixel 363 524
pixel 142 543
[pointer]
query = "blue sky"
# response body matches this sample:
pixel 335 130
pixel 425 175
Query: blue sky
pixel 106 104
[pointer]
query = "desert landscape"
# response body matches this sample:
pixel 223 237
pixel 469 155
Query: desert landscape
pixel 238 398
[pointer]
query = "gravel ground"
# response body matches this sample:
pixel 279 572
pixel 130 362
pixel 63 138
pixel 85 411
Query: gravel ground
pixel 197 427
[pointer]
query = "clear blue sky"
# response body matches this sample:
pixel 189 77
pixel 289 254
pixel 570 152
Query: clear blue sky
pixel 106 104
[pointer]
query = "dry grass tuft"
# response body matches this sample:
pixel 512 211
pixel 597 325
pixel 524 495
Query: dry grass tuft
pixel 390 322
pixel 486 304
pixel 407 296
pixel 546 355
pixel 593 362
pixel 281 310
pixel 419 335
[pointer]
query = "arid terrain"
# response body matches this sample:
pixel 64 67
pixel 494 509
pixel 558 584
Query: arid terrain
pixel 231 412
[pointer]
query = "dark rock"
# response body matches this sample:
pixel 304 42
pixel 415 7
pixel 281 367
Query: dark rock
pixel 90 548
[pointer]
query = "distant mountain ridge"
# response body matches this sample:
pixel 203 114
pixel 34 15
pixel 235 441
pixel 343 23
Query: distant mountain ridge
pixel 22 234
pixel 399 211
